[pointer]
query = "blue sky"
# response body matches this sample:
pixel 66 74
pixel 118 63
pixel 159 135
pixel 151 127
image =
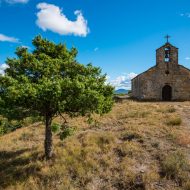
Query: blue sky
pixel 119 36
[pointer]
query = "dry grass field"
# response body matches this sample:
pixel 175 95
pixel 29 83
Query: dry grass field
pixel 139 145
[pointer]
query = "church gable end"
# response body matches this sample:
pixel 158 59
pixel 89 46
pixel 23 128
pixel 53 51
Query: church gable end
pixel 166 81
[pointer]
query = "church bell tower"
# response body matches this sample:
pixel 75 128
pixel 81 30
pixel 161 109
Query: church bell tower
pixel 167 56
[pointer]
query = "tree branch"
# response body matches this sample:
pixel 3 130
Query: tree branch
pixel 65 121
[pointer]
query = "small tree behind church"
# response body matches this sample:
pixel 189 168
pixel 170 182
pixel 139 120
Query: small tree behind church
pixel 49 81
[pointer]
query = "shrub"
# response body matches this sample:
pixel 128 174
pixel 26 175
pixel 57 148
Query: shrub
pixel 129 136
pixel 68 131
pixel 8 126
pixel 26 136
pixel 138 114
pixel 93 122
pixel 174 121
pixel 55 127
pixel 171 110
pixel 175 165
pixel 167 110
pixel 30 120
pixel 2 130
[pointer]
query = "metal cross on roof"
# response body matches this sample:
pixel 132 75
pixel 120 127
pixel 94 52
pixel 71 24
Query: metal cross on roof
pixel 167 37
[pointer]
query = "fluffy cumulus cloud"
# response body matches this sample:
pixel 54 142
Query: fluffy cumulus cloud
pixel 51 17
pixel 16 1
pixel 123 82
pixel 4 38
pixel 2 68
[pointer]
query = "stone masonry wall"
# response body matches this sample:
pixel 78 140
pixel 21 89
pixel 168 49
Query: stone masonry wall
pixel 149 85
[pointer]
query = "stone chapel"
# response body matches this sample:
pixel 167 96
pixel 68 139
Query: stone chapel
pixel 166 81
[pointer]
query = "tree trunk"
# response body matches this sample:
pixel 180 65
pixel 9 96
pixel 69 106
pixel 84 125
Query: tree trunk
pixel 48 138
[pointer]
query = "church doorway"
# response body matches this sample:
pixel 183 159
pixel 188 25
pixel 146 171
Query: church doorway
pixel 167 93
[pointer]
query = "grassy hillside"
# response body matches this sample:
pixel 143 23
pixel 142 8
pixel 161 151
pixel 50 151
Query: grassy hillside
pixel 136 146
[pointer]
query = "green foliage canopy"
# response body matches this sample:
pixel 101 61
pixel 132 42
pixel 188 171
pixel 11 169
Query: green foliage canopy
pixel 50 81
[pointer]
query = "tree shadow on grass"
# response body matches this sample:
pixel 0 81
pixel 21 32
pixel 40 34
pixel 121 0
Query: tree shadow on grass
pixel 16 167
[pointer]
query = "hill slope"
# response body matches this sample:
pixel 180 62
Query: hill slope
pixel 121 91
pixel 136 146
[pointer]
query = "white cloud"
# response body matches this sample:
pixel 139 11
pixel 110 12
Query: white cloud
pixel 16 1
pixel 4 38
pixel 187 58
pixel 123 81
pixel 185 15
pixel 2 68
pixel 132 75
pixel 51 17
pixel 107 79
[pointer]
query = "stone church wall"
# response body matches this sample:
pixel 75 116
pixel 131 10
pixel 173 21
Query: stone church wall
pixel 167 72
pixel 148 85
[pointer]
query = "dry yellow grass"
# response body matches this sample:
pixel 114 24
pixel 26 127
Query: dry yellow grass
pixel 125 149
